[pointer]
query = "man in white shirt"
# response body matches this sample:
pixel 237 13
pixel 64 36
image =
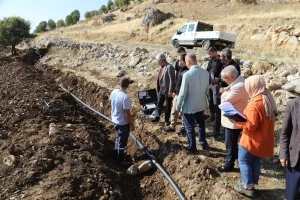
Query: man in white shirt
pixel 121 116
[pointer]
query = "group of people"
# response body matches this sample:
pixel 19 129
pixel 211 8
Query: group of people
pixel 185 90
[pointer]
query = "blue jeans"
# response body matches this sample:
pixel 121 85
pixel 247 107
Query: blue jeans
pixel 249 166
pixel 231 142
pixel 189 124
pixel 121 140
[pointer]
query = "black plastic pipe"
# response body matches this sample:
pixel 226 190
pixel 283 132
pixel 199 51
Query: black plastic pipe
pixel 149 155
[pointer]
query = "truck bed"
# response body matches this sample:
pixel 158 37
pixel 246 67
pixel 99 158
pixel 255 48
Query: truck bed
pixel 214 35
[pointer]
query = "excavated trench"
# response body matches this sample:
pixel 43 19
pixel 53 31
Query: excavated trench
pixel 77 163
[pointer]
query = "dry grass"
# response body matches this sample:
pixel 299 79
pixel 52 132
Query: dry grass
pixel 239 17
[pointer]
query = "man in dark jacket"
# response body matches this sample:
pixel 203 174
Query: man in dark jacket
pixel 214 68
pixel 290 148
pixel 165 87
pixel 226 59
pixel 180 50
pixel 174 112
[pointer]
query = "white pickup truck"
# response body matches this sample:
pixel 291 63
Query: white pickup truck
pixel 198 34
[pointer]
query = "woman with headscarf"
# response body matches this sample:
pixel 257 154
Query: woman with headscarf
pixel 257 139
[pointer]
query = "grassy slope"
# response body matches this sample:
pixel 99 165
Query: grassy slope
pixel 224 16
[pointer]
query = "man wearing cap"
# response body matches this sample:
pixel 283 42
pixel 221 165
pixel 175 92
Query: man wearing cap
pixel 121 116
pixel 165 87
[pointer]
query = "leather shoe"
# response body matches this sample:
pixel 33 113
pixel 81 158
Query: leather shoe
pixel 204 147
pixel 225 168
pixel 156 119
pixel 188 150
pixel 170 130
pixel 210 119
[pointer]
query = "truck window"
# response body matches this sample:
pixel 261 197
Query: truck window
pixel 191 27
pixel 204 27
pixel 183 29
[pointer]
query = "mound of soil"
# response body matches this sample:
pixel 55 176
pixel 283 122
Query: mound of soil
pixel 74 164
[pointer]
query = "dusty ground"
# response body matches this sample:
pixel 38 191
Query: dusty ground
pixel 77 163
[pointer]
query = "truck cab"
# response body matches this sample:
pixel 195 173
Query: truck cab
pixel 199 34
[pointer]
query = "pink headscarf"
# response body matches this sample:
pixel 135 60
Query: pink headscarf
pixel 256 85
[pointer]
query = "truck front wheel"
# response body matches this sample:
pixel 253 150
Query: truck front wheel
pixel 175 43
pixel 205 45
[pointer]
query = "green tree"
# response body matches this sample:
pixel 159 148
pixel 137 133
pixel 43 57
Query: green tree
pixel 110 5
pixel 87 15
pixel 117 3
pixel 76 16
pixel 69 20
pixel 60 23
pixel 102 10
pixel 94 13
pixel 13 30
pixel 41 27
pixel 51 24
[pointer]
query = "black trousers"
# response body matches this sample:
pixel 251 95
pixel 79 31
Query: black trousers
pixel 231 142
pixel 292 182
pixel 161 99
pixel 215 110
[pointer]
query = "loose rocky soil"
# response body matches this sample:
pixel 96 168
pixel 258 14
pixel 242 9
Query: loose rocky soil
pixel 77 163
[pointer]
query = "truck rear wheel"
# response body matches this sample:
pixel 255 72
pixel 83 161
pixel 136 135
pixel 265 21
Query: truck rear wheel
pixel 175 43
pixel 205 45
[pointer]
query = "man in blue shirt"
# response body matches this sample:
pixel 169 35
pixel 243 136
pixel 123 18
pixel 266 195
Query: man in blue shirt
pixel 121 116
pixel 192 101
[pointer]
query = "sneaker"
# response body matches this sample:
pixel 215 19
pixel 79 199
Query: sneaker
pixel 239 187
pixel 170 130
pixel 167 123
pixel 225 168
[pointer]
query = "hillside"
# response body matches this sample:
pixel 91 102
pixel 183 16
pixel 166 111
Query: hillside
pixel 77 163
pixel 242 19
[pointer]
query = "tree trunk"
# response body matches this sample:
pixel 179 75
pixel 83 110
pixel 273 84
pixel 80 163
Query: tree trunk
pixel 13 50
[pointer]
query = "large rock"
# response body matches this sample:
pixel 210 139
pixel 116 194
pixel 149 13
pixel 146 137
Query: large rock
pixel 289 87
pixel 293 86
pixel 293 41
pixel 261 67
pixel 274 85
pixel 133 170
pixel 260 36
pixel 155 17
pixel 247 63
pixel 255 31
pixel 108 18
pixel 283 37
pixel 145 166
pixel 297 32
pixel 135 60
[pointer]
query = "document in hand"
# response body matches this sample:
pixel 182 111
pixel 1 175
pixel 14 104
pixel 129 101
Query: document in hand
pixel 231 112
